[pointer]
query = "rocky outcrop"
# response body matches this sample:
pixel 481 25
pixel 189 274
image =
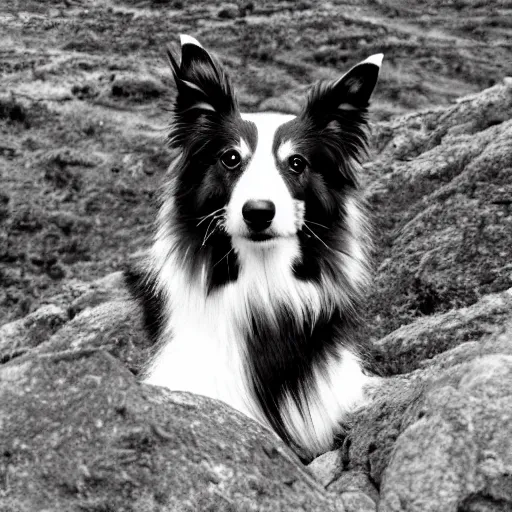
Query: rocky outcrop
pixel 441 193
pixel 436 439
pixel 80 433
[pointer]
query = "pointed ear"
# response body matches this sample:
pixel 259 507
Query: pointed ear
pixel 336 113
pixel 351 92
pixel 356 86
pixel 203 86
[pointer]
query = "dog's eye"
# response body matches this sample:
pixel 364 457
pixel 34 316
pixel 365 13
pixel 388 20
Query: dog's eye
pixel 231 159
pixel 297 164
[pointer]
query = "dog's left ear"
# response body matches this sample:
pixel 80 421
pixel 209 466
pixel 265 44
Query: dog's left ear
pixel 351 93
pixel 204 90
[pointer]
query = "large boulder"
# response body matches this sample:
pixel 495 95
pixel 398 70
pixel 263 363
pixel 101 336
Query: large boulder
pixel 456 452
pixel 438 438
pixel 440 191
pixel 79 433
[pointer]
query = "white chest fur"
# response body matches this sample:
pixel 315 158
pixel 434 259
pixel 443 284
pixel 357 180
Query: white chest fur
pixel 203 347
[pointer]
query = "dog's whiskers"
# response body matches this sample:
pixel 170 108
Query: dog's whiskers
pixel 202 219
pixel 315 223
pixel 217 218
pixel 318 238
pixel 208 235
pixel 225 256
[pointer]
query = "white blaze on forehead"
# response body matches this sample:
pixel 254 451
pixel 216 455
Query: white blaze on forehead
pixel 261 180
pixel 285 150
pixel 244 149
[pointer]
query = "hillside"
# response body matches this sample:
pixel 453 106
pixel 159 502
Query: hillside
pixel 85 92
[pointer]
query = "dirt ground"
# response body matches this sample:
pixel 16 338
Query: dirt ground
pixel 85 94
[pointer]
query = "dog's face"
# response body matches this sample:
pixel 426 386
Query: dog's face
pixel 262 179
pixel 265 204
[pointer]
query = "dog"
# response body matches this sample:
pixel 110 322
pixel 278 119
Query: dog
pixel 253 286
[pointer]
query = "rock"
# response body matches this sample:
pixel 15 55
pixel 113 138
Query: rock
pixel 78 295
pixel 20 336
pixel 430 439
pixel 406 137
pixel 326 467
pixel 110 287
pixel 229 11
pixel 114 326
pixel 442 209
pixel 460 452
pixel 354 501
pixel 415 344
pixel 354 481
pixel 79 433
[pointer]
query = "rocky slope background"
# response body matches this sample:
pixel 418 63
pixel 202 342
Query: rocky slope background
pixel 83 93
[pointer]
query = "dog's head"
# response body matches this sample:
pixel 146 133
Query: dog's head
pixel 261 179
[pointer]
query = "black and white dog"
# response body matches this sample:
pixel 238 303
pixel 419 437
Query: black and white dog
pixel 260 261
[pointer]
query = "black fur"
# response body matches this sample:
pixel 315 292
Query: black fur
pixel 332 140
pixel 143 288
pixel 282 359
pixel 202 185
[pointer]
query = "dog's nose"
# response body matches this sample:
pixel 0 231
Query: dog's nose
pixel 258 214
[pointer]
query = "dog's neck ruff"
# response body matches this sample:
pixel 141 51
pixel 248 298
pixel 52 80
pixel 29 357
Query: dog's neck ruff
pixel 205 343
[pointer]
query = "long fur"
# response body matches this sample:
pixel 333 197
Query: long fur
pixel 264 322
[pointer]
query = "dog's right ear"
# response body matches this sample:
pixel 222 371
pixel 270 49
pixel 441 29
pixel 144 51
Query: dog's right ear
pixel 203 87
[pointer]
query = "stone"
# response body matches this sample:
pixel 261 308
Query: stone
pixel 228 11
pixel 110 287
pixel 79 433
pixel 115 326
pixel 354 501
pixel 353 481
pixel 441 202
pixel 429 440
pixel 414 345
pixel 326 467
pixel 460 451
pixel 21 335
